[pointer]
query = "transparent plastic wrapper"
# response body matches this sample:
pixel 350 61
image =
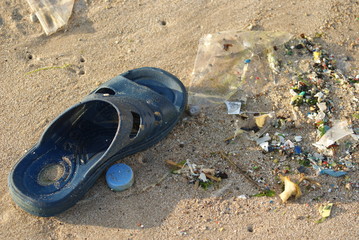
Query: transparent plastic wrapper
pixel 52 14
pixel 234 62
pixel 339 130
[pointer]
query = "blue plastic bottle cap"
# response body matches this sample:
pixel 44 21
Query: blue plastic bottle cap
pixel 119 177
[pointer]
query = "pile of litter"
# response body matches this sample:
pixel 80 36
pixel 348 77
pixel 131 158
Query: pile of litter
pixel 232 67
pixel 197 174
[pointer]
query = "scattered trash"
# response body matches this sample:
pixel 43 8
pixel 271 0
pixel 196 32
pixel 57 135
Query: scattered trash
pixel 233 60
pixel 290 189
pixel 52 14
pixel 224 73
pixel 204 177
pixel 325 211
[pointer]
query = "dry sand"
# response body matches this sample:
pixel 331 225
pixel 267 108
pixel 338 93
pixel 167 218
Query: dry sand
pixel 107 37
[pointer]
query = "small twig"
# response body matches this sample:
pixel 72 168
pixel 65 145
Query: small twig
pixel 240 170
pixel 172 163
pixel 302 178
pixel 217 179
pixel 230 138
pixel 155 184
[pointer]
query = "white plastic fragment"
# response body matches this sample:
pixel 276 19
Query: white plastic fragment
pixel 233 107
pixel 263 139
pixel 320 96
pixel 52 14
pixel 264 146
pixel 339 130
pixel 243 196
pixel 298 138
pixel 322 106
pixel 293 93
pixel 320 116
pixel 191 167
pixel 202 177
pixel 289 144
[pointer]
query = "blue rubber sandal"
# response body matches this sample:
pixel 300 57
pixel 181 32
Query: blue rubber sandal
pixel 125 115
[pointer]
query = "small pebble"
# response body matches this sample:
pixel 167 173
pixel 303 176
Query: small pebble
pixel 250 228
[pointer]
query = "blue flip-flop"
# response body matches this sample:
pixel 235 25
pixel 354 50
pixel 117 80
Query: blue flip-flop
pixel 125 115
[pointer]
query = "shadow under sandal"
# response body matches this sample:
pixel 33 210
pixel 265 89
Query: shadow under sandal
pixel 125 115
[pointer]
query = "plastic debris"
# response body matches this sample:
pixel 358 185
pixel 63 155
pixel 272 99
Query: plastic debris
pixel 290 189
pixel 233 60
pixel 243 196
pixel 52 14
pixel 298 138
pixel 264 146
pixel 196 174
pixel 332 173
pixel 203 177
pixel 325 211
pixel 339 130
pixel 297 150
pixel 233 107
pixel 119 177
pixel 263 139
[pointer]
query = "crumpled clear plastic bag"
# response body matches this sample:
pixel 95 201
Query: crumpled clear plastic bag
pixel 339 130
pixel 52 14
pixel 232 61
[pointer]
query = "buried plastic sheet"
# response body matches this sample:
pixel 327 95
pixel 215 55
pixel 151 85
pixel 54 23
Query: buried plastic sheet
pixel 234 62
pixel 52 14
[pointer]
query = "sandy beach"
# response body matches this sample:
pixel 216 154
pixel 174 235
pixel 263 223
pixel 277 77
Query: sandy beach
pixel 104 38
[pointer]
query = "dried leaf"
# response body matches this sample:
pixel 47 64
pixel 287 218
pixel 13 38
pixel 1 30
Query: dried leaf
pixel 325 211
pixel 261 120
pixel 290 189
pixel 266 193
